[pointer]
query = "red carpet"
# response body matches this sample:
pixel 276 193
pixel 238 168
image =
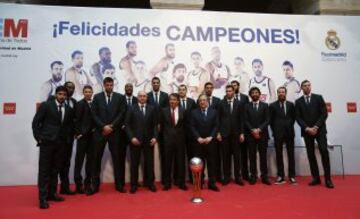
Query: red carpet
pixel 259 201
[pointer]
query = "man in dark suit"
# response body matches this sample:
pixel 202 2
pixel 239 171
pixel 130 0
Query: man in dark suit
pixel 188 105
pixel 282 119
pixel 230 134
pixel 244 99
pixel 130 98
pixel 141 128
pixel 311 115
pixel 204 127
pixel 51 126
pixel 257 119
pixel 160 100
pixel 214 103
pixel 173 125
pixel 84 129
pixel 108 111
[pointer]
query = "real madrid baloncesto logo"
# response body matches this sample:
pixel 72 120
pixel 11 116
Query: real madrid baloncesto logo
pixel 332 41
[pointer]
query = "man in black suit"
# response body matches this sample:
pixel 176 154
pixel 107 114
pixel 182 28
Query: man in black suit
pixel 141 128
pixel 230 134
pixel 188 105
pixel 130 98
pixel 244 99
pixel 214 103
pixel 51 126
pixel 160 100
pixel 173 125
pixel 282 119
pixel 108 112
pixel 257 119
pixel 311 115
pixel 65 169
pixel 84 129
pixel 204 127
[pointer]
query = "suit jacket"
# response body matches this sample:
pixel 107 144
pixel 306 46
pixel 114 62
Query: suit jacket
pixel 281 124
pixel 84 122
pixel 47 126
pixel 73 100
pixel 257 118
pixel 173 134
pixel 312 114
pixel 230 122
pixel 244 99
pixel 204 127
pixel 105 114
pixel 134 100
pixel 163 99
pixel 144 128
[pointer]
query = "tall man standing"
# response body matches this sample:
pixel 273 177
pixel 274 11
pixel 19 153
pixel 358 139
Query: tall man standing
pixel 108 111
pixel 311 114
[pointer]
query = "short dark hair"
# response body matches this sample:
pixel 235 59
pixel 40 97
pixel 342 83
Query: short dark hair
pixel 236 82
pixel 195 53
pixel 155 78
pixel 168 45
pixel 87 87
pixel 288 63
pixel 128 43
pixel 229 86
pixel 107 80
pixel 61 88
pixel 175 95
pixel 103 49
pixel 107 67
pixel 55 63
pixel 257 61
pixel 183 85
pixel 177 66
pixel 208 83
pixel 282 87
pixel 239 58
pixel 304 81
pixel 76 52
pixel 252 89
pixel 68 82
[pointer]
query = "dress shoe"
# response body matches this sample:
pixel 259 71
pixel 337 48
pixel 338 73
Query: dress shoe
pixel 121 189
pixel 66 191
pixel 89 190
pixel 55 198
pixel 314 182
pixel 239 182
pixel 133 189
pixel 183 187
pixel 292 181
pixel 225 182
pixel 213 187
pixel 266 181
pixel 280 180
pixel 79 189
pixel 252 180
pixel 329 184
pixel 166 187
pixel 152 188
pixel 43 204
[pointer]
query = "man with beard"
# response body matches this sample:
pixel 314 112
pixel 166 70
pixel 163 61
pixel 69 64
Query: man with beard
pixel 291 84
pixel 127 63
pixel 197 77
pixel 48 88
pixel 179 74
pixel 77 74
pixel 219 72
pixel 164 68
pixel 265 84
pixel 240 75
pixel 98 68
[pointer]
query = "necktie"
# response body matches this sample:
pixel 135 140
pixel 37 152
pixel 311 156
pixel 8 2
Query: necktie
pixel 230 105
pixel 143 109
pixel 173 117
pixel 60 112
pixel 209 100
pixel 129 101
pixel 308 99
pixel 282 107
pixel 109 99
pixel 204 113
pixel 183 104
pixel 255 107
pixel 156 98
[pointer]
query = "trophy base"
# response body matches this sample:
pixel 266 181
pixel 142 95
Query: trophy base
pixel 197 200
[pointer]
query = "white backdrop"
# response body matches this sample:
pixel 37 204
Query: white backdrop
pixel 25 64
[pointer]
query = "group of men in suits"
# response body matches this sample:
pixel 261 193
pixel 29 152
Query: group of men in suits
pixel 221 132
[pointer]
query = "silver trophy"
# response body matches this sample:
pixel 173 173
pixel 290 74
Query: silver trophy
pixel 196 166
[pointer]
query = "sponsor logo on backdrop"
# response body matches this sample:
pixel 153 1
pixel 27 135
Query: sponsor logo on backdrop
pixel 351 107
pixel 333 43
pixel 328 107
pixel 9 108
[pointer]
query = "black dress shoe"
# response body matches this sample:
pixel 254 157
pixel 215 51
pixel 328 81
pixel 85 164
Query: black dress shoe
pixel 133 189
pixel 225 182
pixel 166 187
pixel 213 187
pixel 239 182
pixel 55 198
pixel 89 190
pixel 152 188
pixel 266 181
pixel 43 204
pixel 183 187
pixel 252 180
pixel 329 184
pixel 315 182
pixel 121 189
pixel 66 191
pixel 79 189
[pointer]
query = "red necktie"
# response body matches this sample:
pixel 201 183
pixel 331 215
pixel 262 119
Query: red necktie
pixel 173 117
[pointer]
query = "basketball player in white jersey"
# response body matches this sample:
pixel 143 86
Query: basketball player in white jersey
pixel 77 74
pixel 179 77
pixel 164 68
pixel 197 77
pixel 219 72
pixel 292 85
pixel 240 75
pixel 127 63
pixel 48 87
pixel 264 83
pixel 143 82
